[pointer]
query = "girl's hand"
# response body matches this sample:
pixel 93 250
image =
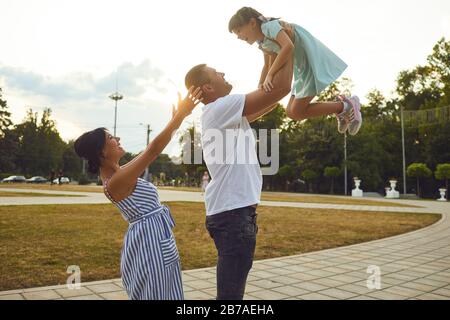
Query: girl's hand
pixel 185 106
pixel 267 85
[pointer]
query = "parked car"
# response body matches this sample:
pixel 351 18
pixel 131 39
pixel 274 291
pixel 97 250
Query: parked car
pixel 63 180
pixel 37 179
pixel 14 179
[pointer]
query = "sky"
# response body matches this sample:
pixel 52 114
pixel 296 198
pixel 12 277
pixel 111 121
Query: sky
pixel 68 55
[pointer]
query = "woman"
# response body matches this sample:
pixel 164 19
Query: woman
pixel 205 181
pixel 150 263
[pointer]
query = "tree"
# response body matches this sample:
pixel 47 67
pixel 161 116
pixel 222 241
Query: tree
pixel 5 116
pixel 418 171
pixel 190 142
pixel 310 176
pixel 72 164
pixel 443 173
pixel 9 142
pixel 332 172
pixel 341 86
pixel 287 173
pixel 40 145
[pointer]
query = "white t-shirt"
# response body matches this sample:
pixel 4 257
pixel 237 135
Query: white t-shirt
pixel 229 151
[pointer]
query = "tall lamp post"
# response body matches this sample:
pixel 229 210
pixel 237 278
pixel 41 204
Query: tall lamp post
pixel 345 162
pixel 148 141
pixel 116 96
pixel 403 150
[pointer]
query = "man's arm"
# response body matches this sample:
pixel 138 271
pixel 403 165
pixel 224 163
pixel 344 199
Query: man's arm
pixel 259 101
pixel 253 117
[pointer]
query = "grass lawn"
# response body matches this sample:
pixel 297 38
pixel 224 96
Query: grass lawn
pixel 33 194
pixel 39 242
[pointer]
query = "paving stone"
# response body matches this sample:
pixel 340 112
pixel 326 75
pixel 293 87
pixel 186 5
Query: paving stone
pixel 431 282
pixel 337 293
pixel 117 295
pixel 266 284
pixel 14 296
pixel 291 291
pixel 442 292
pixel 381 294
pixel 202 275
pixel 88 297
pixel 315 296
pixel 67 293
pixel 362 298
pixel 41 295
pixel 269 295
pixel 285 280
pixel 344 279
pixel 310 286
pixel 320 273
pixel 197 295
pixel 200 284
pixel 407 292
pixel 102 288
pixel 418 286
pixel 431 296
pixel 249 288
pixel 328 282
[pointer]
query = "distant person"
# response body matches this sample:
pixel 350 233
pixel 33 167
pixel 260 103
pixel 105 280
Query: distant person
pixel 150 263
pixel 52 177
pixel 60 175
pixel 205 181
pixel 315 67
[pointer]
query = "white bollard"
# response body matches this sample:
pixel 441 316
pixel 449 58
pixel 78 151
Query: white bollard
pixel 392 194
pixel 357 192
pixel 442 192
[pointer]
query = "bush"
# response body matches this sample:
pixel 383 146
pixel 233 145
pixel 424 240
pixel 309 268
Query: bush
pixel 83 180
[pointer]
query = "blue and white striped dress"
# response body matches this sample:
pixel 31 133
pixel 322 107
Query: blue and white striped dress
pixel 150 262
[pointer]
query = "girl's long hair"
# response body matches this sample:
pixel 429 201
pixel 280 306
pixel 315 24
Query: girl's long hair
pixel 244 15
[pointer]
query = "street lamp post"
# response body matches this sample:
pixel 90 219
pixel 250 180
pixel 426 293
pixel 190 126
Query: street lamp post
pixel 345 162
pixel 116 96
pixel 148 141
pixel 403 150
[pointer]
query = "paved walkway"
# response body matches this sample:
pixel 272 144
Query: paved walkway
pixel 415 265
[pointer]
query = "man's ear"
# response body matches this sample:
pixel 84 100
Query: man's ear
pixel 207 88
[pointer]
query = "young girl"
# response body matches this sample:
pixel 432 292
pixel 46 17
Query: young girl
pixel 315 67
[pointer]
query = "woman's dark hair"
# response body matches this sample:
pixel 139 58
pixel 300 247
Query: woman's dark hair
pixel 89 146
pixel 243 16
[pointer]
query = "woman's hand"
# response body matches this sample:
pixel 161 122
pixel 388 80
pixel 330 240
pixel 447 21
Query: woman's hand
pixel 267 85
pixel 188 104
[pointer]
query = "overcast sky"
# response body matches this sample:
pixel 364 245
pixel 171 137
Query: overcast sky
pixel 67 54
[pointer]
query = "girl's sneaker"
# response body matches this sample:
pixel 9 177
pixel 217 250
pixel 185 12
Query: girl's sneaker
pixel 350 118
pixel 343 118
pixel 355 121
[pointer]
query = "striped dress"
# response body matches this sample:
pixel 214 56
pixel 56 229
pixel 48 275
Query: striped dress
pixel 150 263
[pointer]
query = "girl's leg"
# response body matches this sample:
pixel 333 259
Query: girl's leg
pixel 300 109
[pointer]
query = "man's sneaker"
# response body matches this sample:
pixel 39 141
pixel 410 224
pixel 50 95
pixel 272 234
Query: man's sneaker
pixel 343 118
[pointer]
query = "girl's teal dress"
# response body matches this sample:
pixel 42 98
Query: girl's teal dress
pixel 315 66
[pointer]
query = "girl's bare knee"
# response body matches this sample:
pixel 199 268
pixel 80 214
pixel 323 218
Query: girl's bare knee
pixel 295 112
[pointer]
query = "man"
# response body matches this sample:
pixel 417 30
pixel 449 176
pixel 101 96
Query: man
pixel 235 187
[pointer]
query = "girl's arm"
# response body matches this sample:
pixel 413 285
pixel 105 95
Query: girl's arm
pixel 286 50
pixel 124 180
pixel 265 69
